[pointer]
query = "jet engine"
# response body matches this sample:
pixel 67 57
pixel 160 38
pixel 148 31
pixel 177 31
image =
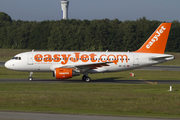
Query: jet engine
pixel 64 73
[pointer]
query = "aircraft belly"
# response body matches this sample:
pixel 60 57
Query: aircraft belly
pixel 37 68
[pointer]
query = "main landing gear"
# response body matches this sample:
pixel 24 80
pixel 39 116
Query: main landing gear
pixel 86 78
pixel 30 78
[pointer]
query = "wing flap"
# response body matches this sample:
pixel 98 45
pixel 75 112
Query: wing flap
pixel 83 66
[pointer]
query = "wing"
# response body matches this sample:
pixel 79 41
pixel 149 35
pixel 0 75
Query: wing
pixel 82 67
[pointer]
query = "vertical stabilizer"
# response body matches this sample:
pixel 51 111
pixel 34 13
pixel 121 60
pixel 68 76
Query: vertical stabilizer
pixel 157 41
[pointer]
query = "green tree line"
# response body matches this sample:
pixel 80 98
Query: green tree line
pixel 83 35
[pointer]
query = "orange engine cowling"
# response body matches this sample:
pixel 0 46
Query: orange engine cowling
pixel 63 73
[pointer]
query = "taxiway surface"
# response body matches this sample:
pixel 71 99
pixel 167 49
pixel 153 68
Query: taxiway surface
pixel 93 81
pixel 2 64
pixel 42 116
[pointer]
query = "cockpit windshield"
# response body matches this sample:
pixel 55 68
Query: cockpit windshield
pixel 16 58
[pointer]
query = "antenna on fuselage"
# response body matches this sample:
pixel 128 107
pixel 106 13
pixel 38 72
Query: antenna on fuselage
pixel 33 50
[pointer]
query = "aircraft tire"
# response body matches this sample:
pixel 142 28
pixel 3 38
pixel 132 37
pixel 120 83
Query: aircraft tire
pixel 30 79
pixel 84 78
pixel 88 79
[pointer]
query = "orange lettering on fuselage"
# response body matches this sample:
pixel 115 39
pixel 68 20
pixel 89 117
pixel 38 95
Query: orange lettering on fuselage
pixel 92 57
pixel 38 57
pixel 64 58
pixel 105 59
pixel 113 59
pixel 56 58
pixel 47 58
pixel 76 59
pixel 84 58
pixel 122 57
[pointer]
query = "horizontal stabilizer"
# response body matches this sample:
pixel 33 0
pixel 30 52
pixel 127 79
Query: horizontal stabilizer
pixel 168 57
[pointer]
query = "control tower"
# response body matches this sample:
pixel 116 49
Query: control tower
pixel 64 6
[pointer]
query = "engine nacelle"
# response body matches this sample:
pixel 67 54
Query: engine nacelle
pixel 63 73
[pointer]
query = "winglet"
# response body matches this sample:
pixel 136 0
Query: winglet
pixel 157 41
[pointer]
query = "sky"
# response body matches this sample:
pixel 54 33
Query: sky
pixel 40 10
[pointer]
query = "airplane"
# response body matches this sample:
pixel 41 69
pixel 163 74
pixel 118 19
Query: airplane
pixel 64 64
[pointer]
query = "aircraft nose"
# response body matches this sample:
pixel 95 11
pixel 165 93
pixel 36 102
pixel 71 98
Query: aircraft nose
pixel 8 65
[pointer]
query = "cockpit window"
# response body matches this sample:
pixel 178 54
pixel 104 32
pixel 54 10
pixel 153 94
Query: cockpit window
pixel 16 58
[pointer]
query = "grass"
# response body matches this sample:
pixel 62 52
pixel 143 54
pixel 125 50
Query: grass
pixel 96 99
pixel 142 100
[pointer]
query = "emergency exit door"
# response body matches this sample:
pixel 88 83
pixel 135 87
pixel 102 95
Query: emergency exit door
pixel 136 60
pixel 30 59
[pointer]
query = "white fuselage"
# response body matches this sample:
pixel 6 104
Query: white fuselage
pixel 116 61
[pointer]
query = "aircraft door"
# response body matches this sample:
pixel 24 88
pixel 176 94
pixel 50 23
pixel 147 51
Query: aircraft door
pixel 30 59
pixel 136 60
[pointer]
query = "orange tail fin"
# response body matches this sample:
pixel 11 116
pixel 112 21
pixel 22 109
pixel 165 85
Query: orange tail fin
pixel 157 41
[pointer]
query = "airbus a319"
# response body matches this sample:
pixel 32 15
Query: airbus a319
pixel 66 64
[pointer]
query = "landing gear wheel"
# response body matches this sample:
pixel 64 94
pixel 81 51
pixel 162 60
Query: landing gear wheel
pixel 84 78
pixel 30 76
pixel 30 79
pixel 88 79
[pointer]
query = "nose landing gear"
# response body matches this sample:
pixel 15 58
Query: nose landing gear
pixel 30 78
